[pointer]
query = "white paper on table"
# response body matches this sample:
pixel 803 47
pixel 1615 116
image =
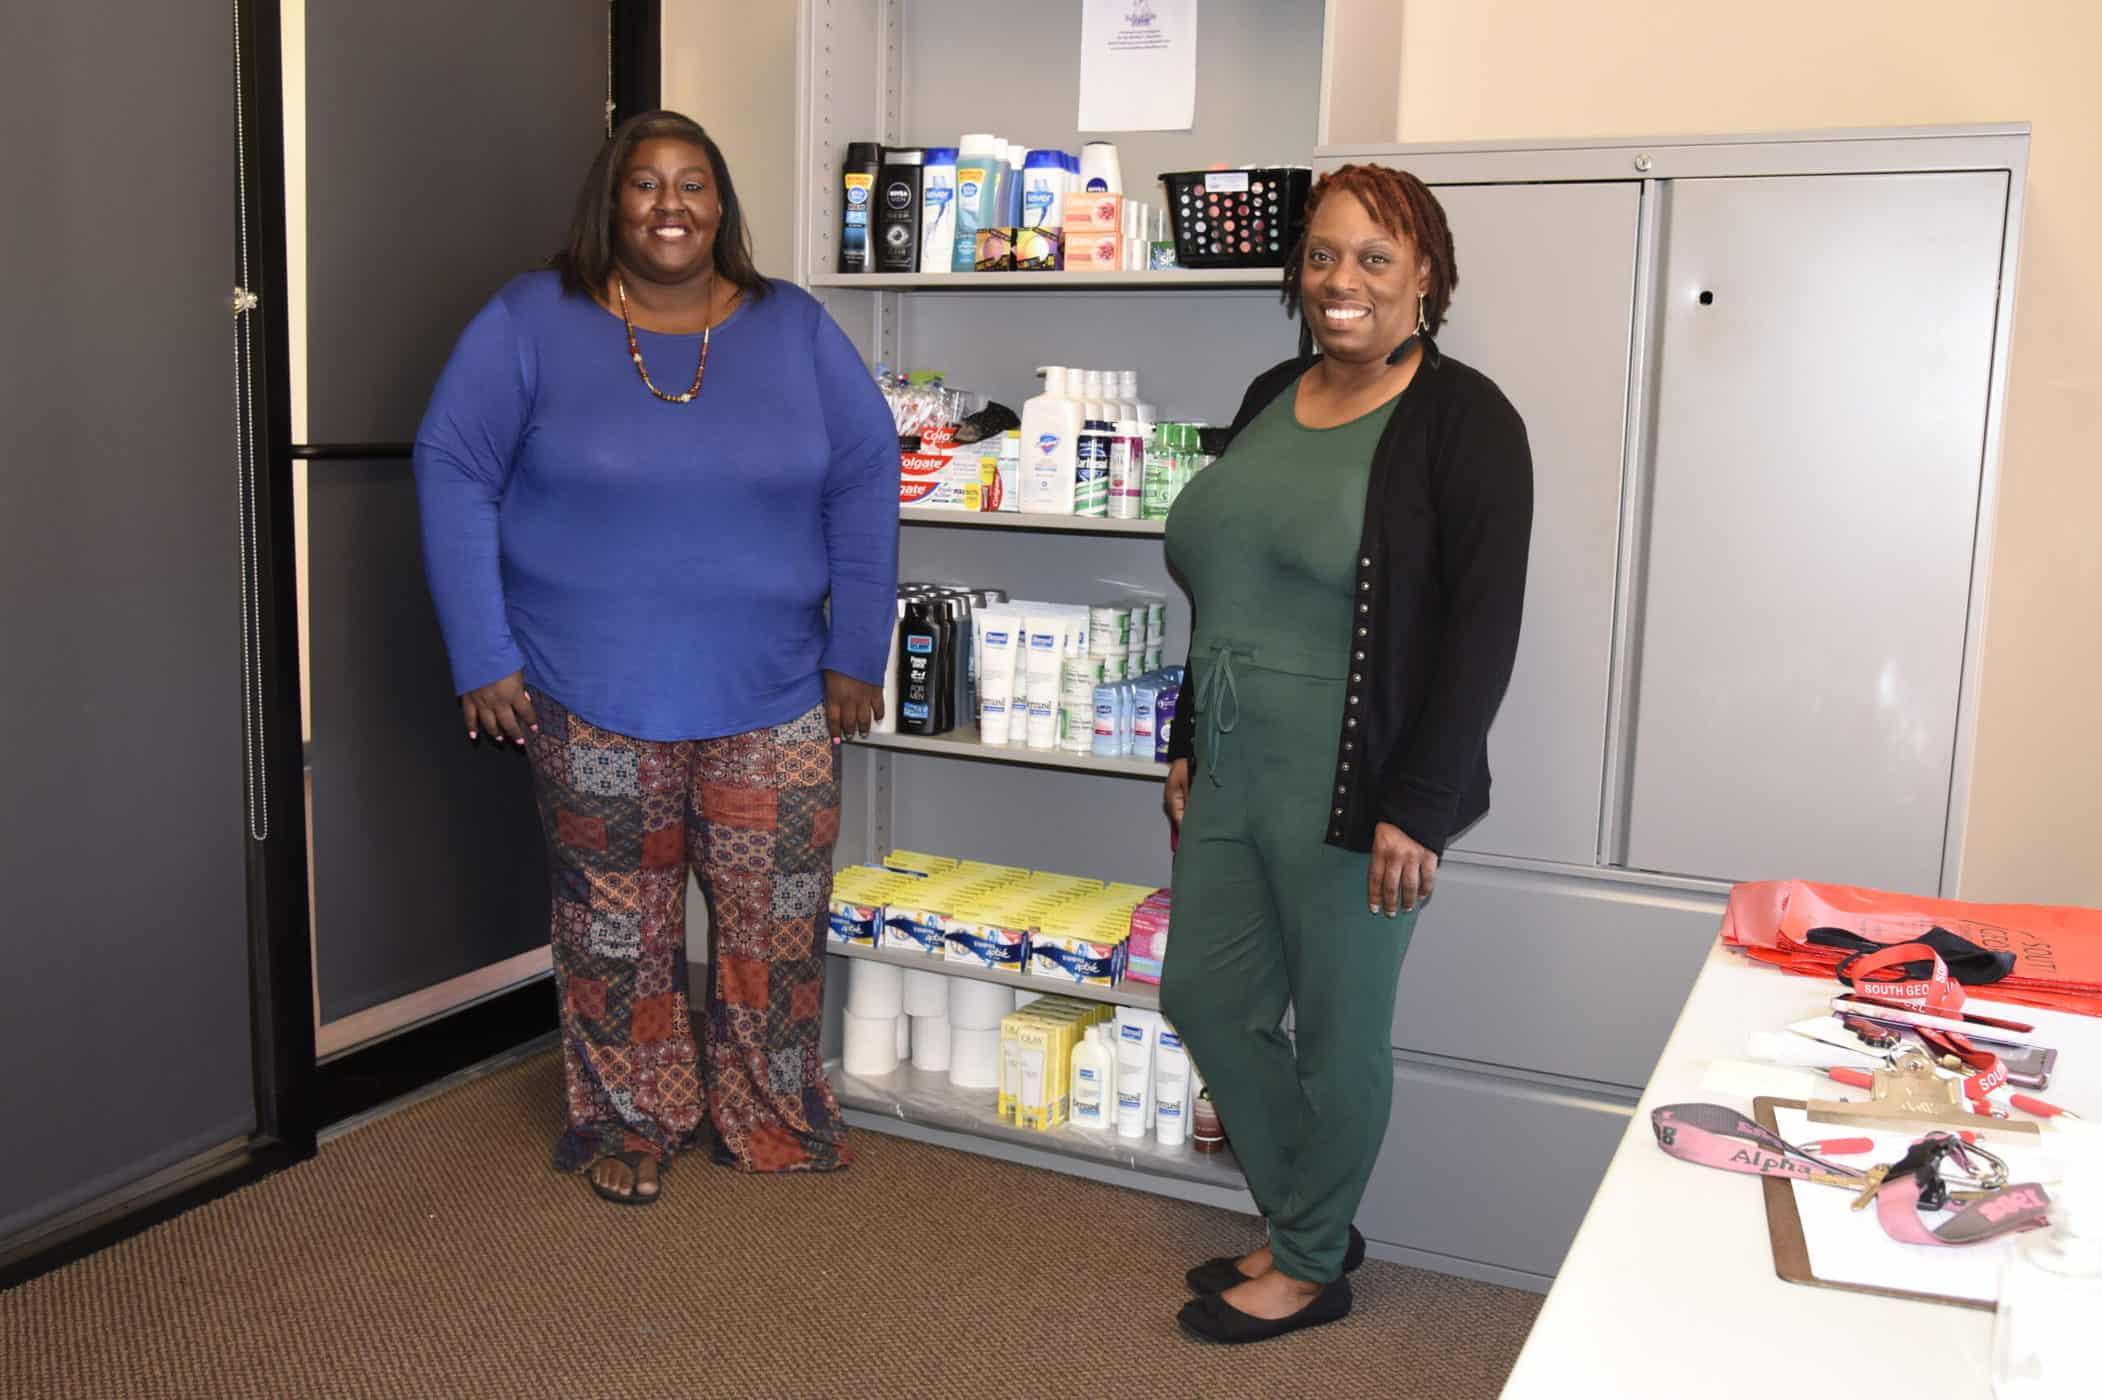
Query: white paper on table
pixel 1138 65
pixel 1848 1246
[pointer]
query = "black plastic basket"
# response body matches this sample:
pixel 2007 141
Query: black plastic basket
pixel 1237 218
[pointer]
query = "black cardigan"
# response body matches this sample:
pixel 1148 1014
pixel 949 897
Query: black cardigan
pixel 1441 586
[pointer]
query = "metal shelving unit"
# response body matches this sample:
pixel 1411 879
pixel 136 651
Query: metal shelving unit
pixel 1028 524
pixel 964 745
pixel 929 1100
pixel 1196 336
pixel 1182 279
pixel 1140 994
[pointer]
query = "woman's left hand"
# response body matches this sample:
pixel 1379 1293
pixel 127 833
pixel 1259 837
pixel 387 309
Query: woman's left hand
pixel 851 707
pixel 1403 872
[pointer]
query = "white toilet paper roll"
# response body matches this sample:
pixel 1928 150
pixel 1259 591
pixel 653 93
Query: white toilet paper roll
pixel 974 1058
pixel 875 991
pixel 930 1043
pixel 871 1045
pixel 978 1006
pixel 926 993
pixel 901 1034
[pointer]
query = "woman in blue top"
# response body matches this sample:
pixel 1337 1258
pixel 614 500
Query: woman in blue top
pixel 660 509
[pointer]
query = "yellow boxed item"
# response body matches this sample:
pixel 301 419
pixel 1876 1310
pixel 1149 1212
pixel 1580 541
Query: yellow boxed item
pixel 917 919
pixel 859 895
pixel 1081 944
pixel 913 863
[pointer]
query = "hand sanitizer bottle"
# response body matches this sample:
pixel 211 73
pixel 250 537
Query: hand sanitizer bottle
pixel 2051 1291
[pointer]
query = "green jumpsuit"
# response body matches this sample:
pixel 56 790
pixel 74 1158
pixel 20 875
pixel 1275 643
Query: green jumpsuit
pixel 1266 912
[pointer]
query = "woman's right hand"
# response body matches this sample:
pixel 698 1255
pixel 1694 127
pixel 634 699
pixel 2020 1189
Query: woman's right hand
pixel 501 708
pixel 1177 796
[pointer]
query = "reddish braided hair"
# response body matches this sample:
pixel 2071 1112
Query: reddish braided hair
pixel 1402 205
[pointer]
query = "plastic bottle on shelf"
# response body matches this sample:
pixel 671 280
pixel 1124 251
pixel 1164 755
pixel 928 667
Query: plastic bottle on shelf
pixel 978 168
pixel 1093 1079
pixel 1091 395
pixel 1051 424
pixel 1126 391
pixel 1045 184
pixel 938 209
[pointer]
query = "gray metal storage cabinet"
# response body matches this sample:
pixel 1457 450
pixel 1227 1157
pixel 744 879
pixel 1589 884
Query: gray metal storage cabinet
pixel 1763 378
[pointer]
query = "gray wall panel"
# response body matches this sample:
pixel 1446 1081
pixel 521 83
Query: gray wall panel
pixel 427 852
pixel 126 1031
pixel 445 143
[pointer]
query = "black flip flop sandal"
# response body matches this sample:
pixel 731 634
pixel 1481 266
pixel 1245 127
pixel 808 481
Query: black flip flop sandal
pixel 633 1197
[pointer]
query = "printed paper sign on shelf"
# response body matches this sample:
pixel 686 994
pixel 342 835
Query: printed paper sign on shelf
pixel 1138 65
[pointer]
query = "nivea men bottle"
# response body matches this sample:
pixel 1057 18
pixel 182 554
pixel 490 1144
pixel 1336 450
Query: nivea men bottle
pixel 900 203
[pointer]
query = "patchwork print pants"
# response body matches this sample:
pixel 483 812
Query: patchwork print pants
pixel 755 816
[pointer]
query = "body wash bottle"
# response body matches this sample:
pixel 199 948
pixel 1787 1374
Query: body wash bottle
pixel 1093 1079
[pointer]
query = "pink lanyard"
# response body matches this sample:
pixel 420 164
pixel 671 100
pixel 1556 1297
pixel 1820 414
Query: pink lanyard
pixel 1711 1135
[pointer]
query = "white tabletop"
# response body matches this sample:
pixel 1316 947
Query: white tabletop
pixel 1670 1288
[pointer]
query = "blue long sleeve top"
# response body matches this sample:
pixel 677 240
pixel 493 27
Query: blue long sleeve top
pixel 661 569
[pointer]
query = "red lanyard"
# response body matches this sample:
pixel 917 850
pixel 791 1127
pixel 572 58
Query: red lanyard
pixel 1937 992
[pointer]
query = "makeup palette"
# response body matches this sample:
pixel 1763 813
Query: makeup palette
pixel 1237 218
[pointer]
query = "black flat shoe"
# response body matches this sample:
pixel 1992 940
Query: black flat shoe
pixel 1218 1275
pixel 1213 1319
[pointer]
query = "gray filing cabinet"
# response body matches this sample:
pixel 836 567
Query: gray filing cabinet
pixel 1756 582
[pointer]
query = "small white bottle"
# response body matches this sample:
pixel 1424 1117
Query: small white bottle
pixel 2051 1290
pixel 1091 394
pixel 1093 1079
pixel 1127 393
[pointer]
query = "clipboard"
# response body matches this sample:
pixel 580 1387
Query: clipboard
pixel 1784 1231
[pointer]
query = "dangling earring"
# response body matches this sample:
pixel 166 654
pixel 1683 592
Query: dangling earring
pixel 1423 325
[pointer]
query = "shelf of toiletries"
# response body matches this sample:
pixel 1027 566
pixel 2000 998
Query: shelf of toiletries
pixel 966 745
pixel 1012 520
pixel 1169 279
pixel 1132 993
pixel 932 1100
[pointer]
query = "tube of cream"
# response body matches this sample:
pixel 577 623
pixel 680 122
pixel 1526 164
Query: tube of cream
pixel 1134 1071
pixel 1171 1086
pixel 998 637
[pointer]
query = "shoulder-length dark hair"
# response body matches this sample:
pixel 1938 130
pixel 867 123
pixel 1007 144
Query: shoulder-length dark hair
pixel 586 260
pixel 1402 205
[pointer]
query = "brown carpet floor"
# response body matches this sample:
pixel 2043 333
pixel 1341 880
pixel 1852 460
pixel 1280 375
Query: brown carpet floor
pixel 435 1253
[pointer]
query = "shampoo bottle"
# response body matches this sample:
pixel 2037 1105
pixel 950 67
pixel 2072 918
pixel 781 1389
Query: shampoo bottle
pixel 1051 424
pixel 1045 184
pixel 938 209
pixel 977 187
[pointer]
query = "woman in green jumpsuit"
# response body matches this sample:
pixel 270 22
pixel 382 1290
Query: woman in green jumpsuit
pixel 1357 564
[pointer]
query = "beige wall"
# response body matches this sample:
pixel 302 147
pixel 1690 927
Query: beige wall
pixel 1494 69
pixel 732 68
